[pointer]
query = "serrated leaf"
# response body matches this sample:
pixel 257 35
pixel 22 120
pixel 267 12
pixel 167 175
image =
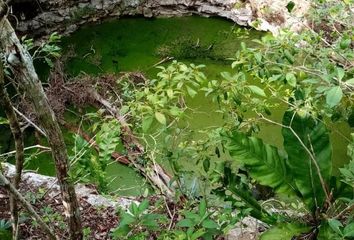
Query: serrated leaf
pixel 160 118
pixel 143 205
pixel 334 96
pixel 126 219
pixel 257 90
pixel 263 161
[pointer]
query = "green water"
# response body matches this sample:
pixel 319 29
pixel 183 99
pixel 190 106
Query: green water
pixel 131 44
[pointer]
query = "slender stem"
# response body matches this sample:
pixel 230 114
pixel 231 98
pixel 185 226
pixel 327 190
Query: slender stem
pixel 348 209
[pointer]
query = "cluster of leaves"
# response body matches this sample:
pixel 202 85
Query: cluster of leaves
pixel 47 51
pixel 190 222
pixel 312 74
pixel 312 71
pixel 86 164
pixel 163 99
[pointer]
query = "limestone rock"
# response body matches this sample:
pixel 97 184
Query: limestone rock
pixel 61 16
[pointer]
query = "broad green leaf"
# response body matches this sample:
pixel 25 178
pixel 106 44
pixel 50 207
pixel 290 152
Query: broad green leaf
pixel 202 208
pixel 327 233
pixel 257 90
pixel 335 225
pixel 349 230
pixel 333 96
pixel 350 81
pixel 193 216
pixel 291 79
pixel 161 118
pixel 340 73
pixel 170 93
pixel 263 161
pixel 143 206
pixel 284 231
pixel 191 92
pixel 315 137
pixel 208 223
pixel 185 223
pixel 196 235
pixel 126 219
pixel 146 124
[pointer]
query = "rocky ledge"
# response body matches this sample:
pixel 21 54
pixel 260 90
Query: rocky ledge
pixel 41 17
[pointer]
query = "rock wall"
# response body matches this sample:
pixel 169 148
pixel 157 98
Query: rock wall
pixel 42 17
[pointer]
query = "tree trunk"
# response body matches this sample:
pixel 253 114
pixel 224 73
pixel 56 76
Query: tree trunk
pixel 5 103
pixel 22 67
pixel 13 191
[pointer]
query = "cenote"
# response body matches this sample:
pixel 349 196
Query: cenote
pixel 138 44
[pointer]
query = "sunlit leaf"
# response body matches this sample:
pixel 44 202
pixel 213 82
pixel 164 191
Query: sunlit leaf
pixel 334 96
pixel 257 90
pixel 161 118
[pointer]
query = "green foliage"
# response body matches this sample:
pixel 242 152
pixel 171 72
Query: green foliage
pixel 5 227
pixel 304 137
pixel 284 231
pixel 232 92
pixel 163 99
pixel 47 50
pixel 193 222
pixel 87 165
pixel 198 223
pixel 235 189
pixel 264 162
pixel 137 222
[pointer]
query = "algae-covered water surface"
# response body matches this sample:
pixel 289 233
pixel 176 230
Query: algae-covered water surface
pixel 138 44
